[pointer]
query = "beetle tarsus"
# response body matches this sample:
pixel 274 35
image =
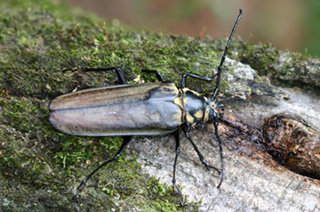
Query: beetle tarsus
pixel 178 194
pixel 79 189
pixel 209 166
pixel 177 191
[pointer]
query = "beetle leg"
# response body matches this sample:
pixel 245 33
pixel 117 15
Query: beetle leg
pixel 126 141
pixel 157 73
pixel 118 70
pixel 220 149
pixel 206 163
pixel 184 78
pixel 176 137
pixel 220 68
pixel 120 74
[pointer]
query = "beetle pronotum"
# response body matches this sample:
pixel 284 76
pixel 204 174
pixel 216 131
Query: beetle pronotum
pixel 144 109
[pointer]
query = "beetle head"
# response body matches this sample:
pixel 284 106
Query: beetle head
pixel 214 109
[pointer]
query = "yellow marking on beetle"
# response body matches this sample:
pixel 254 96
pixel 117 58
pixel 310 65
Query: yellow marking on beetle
pixel 206 114
pixel 185 100
pixel 178 116
pixel 190 119
pixel 181 112
pixel 185 90
pixel 192 91
pixel 178 101
pixel 195 92
pixel 198 114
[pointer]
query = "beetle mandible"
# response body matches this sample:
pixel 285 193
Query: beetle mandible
pixel 140 109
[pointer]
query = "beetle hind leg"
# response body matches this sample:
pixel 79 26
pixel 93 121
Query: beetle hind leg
pixel 126 140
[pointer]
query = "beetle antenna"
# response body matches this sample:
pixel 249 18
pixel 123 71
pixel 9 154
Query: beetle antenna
pixel 220 69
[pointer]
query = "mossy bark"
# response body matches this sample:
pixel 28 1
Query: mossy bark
pixel 43 46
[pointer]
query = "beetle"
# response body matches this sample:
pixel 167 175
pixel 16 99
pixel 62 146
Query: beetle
pixel 141 109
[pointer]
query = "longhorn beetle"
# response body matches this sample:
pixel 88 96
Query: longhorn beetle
pixel 140 109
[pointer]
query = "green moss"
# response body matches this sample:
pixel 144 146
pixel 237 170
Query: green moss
pixel 288 68
pixel 43 47
pixel 40 39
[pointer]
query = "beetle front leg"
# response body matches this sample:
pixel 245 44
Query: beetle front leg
pixel 126 140
pixel 204 162
pixel 184 78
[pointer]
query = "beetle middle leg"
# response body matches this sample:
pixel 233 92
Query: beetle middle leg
pixel 177 139
pixel 126 139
